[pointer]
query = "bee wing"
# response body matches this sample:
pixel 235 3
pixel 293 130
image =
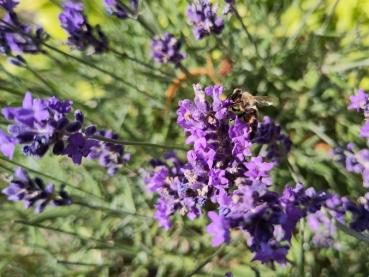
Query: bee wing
pixel 264 101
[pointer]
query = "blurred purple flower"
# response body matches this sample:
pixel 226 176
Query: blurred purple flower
pixel 16 37
pixel 110 155
pixel 364 131
pixel 79 146
pixel 269 133
pixel 8 4
pixel 324 229
pixel 7 145
pixel 359 101
pixel 202 15
pixel 81 34
pixel 119 9
pixel 166 49
pixel 33 192
pixel 218 228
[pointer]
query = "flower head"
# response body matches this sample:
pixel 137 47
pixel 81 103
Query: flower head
pixel 358 101
pixel 8 5
pixel 81 34
pixel 202 15
pixel 34 193
pixel 166 49
pixel 219 228
pixel 119 9
pixel 17 37
pixel 42 124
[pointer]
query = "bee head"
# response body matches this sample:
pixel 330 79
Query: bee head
pixel 236 94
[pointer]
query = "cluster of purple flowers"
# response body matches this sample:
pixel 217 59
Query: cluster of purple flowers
pixel 222 171
pixel 166 49
pixel 109 155
pixel 41 124
pixel 202 15
pixel 16 37
pixel 121 10
pixel 33 192
pixel 224 178
pixel 82 35
pixel 357 160
pixel 269 133
pixel 324 229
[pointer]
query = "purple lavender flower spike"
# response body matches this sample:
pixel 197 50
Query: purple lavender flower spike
pixel 79 146
pixel 16 37
pixel 111 156
pixel 81 34
pixel 202 15
pixel 323 229
pixel 364 131
pixel 41 124
pixel 7 145
pixel 359 101
pixel 166 49
pixel 219 229
pixel 269 133
pixel 8 5
pixel 33 192
pixel 119 9
pixel 222 171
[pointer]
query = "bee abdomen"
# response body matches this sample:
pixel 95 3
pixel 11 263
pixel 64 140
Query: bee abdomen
pixel 250 116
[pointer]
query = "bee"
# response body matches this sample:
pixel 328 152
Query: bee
pixel 245 106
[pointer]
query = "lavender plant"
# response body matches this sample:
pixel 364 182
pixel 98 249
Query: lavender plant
pixel 229 195
pixel 42 124
pixel 33 192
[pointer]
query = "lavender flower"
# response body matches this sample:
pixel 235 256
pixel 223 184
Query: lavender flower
pixel 81 34
pixel 42 124
pixel 222 171
pixel 202 15
pixel 8 5
pixel 270 134
pixel 120 10
pixel 33 192
pixel 353 159
pixel 166 49
pixel 359 101
pixel 219 229
pixel 79 146
pixel 110 155
pixel 7 145
pixel 229 6
pixel 324 229
pixel 16 37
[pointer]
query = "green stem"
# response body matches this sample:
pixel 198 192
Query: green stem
pixel 251 39
pixel 51 87
pixel 80 264
pixel 205 262
pixel 109 210
pixel 149 66
pixel 60 231
pixel 185 71
pixel 352 232
pixel 138 143
pixel 49 177
pixel 345 67
pixel 11 90
pixel 102 70
pixel 145 25
pixel 140 20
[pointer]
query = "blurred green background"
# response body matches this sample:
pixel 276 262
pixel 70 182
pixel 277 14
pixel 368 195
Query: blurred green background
pixel 310 54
